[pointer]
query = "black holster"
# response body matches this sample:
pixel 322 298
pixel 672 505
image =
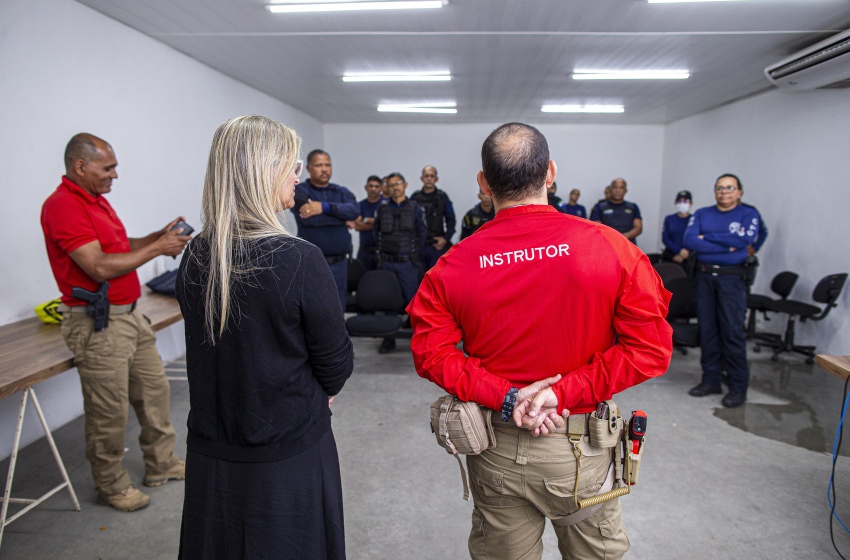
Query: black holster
pixel 97 304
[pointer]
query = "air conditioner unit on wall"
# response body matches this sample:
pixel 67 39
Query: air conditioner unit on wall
pixel 822 64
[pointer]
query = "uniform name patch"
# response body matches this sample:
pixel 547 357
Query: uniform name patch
pixel 522 255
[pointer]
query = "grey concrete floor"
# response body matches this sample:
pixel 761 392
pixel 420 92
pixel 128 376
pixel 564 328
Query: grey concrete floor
pixel 715 483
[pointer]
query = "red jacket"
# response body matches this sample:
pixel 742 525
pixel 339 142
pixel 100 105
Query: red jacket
pixel 535 293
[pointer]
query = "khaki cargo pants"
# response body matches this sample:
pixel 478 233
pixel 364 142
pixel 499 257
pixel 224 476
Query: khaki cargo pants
pixel 524 480
pixel 117 366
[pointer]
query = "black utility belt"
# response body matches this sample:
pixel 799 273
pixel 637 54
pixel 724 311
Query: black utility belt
pixel 333 259
pixel 394 258
pixel 368 248
pixel 717 270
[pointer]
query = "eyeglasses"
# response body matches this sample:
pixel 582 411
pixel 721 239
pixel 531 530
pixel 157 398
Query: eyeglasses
pixel 727 188
pixel 299 165
pixel 397 183
pixel 429 175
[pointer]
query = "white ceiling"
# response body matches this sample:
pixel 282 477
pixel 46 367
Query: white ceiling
pixel 508 57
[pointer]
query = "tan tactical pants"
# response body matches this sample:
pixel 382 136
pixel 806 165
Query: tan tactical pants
pixel 117 366
pixel 524 480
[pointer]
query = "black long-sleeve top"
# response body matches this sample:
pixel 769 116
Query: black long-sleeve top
pixel 261 392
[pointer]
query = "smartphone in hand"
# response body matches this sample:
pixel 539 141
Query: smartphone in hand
pixel 187 229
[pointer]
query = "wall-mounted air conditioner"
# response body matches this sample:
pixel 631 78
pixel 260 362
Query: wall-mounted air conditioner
pixel 822 64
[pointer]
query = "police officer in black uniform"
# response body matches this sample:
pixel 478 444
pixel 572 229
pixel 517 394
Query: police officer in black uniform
pixel 439 217
pixel 400 235
pixel 480 214
pixel 618 213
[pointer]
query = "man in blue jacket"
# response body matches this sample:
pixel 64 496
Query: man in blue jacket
pixel 720 236
pixel 321 211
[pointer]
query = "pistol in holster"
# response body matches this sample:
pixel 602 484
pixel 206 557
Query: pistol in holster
pixel 97 304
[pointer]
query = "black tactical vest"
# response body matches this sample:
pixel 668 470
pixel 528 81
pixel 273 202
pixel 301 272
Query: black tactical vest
pixel 396 233
pixel 434 211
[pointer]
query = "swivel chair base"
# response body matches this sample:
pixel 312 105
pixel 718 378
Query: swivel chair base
pixel 784 344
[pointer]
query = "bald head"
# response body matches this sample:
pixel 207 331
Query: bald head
pixel 83 146
pixel 515 160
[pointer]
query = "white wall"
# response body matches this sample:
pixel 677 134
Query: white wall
pixel 66 69
pixel 790 151
pixel 588 158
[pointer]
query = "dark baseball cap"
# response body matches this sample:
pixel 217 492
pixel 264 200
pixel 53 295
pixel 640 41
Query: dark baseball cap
pixel 684 194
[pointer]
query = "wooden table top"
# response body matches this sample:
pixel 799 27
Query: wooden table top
pixel 836 365
pixel 31 351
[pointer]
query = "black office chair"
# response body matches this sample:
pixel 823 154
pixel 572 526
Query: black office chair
pixel 356 270
pixel 378 299
pixel 669 271
pixel 682 309
pixel 654 258
pixel 781 285
pixel 827 292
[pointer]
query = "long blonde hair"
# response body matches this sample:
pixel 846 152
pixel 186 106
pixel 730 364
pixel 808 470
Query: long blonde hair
pixel 250 158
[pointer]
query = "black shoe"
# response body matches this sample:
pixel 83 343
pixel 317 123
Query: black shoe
pixel 388 345
pixel 733 399
pixel 704 389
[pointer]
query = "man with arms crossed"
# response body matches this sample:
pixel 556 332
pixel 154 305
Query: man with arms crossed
pixel 618 213
pixel 365 222
pixel 87 245
pixel 720 236
pixel 538 299
pixel 322 210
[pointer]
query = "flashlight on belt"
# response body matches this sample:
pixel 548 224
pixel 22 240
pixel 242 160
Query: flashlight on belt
pixel 636 433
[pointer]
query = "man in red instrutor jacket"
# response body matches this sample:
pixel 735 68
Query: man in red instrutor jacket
pixel 556 314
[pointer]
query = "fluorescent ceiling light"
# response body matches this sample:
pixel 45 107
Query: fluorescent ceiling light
pixel 444 108
pixel 349 6
pixel 630 74
pixel 399 77
pixel 682 1
pixel 582 109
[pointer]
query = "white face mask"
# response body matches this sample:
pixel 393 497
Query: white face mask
pixel 683 207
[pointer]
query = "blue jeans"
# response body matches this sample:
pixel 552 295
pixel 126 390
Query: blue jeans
pixel 721 312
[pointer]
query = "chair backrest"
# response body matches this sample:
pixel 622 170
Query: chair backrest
pixel 669 271
pixel 379 290
pixel 682 301
pixel 654 258
pixel 356 270
pixel 783 283
pixel 828 289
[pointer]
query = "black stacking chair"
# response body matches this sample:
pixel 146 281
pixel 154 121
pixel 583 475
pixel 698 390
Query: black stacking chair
pixel 356 270
pixel 378 300
pixel 669 271
pixel 682 310
pixel 827 292
pixel 781 285
pixel 654 258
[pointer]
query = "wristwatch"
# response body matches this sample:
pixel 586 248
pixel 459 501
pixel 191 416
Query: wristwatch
pixel 508 404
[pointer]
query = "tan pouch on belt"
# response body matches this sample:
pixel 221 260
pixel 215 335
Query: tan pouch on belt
pixel 606 433
pixel 461 428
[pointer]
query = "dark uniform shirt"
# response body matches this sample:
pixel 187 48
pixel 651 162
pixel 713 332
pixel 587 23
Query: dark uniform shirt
pixel 618 216
pixel 368 210
pixel 326 230
pixel 474 219
pixel 556 202
pixel 575 210
pixel 762 236
pixel 737 228
pixel 673 232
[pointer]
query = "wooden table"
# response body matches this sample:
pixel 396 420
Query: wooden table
pixel 30 352
pixel 836 365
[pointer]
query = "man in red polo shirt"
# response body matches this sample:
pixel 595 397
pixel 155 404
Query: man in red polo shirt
pixel 536 295
pixel 87 245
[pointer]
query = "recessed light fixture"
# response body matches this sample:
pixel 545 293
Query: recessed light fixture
pixel 443 108
pixel 582 109
pixel 293 6
pixel 630 74
pixel 399 77
pixel 683 1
